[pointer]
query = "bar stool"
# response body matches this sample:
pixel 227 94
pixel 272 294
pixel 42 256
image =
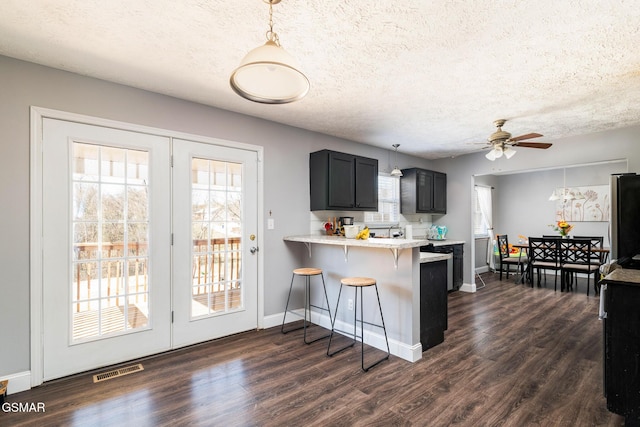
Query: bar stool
pixel 307 273
pixel 358 283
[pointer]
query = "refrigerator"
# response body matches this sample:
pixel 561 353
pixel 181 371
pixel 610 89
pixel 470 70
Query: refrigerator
pixel 625 213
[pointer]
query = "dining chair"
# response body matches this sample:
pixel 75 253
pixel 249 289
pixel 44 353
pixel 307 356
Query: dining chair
pixel 505 259
pixel 544 254
pixel 597 257
pixel 576 257
pixel 596 242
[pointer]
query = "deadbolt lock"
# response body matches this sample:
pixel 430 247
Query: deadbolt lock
pixel 252 237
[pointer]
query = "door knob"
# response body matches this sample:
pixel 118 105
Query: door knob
pixel 253 250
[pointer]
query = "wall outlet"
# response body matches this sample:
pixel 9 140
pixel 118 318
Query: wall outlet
pixel 350 304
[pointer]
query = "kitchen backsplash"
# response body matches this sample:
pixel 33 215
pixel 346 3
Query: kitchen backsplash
pixel 419 222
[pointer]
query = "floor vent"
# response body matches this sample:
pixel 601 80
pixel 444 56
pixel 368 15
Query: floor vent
pixel 117 373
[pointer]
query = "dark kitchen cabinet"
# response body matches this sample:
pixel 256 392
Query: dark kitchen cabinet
pixel 433 303
pixel 423 191
pixel 340 181
pixel 620 292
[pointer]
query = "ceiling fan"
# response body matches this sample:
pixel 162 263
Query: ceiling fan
pixel 501 142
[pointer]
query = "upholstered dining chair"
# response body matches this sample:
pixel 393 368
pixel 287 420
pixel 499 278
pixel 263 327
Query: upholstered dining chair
pixel 505 259
pixel 544 254
pixel 577 257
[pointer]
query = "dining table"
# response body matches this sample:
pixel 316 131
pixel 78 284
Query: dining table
pixel 526 273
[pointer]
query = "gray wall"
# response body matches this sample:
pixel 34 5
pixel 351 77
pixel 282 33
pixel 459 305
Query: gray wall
pixel 286 151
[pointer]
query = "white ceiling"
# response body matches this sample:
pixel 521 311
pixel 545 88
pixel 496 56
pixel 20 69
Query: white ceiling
pixel 429 75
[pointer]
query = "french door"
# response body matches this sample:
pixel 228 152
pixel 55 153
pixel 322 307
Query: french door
pixel 215 243
pixel 114 288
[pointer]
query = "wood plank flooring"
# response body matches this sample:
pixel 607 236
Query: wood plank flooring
pixel 513 356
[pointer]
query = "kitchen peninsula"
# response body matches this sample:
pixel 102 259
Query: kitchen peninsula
pixel 396 266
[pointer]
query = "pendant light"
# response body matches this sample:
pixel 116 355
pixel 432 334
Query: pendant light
pixel 268 74
pixel 566 194
pixel 396 171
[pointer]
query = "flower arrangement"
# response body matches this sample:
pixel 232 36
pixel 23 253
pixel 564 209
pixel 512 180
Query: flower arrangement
pixel 562 227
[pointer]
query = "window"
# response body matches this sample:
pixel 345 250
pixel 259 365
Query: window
pixel 482 211
pixel 388 200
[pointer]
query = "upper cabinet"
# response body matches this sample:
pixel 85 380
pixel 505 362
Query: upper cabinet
pixel 340 181
pixel 423 191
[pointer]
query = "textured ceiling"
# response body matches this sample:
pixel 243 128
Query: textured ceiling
pixel 429 75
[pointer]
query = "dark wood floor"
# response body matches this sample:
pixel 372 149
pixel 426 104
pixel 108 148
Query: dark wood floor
pixel 513 356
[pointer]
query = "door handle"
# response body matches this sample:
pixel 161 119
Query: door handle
pixel 253 249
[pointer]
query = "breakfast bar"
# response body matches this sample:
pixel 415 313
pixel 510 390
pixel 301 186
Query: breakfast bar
pixel 396 265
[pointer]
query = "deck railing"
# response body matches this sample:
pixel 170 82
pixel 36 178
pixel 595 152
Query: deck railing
pixel 208 268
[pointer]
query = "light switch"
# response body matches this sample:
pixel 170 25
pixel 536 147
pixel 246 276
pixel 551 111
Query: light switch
pixel 271 224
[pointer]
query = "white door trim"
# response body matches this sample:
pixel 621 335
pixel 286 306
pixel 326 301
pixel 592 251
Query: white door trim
pixel 37 114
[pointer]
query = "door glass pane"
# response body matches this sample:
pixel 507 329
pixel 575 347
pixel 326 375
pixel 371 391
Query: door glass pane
pixel 216 206
pixel 110 286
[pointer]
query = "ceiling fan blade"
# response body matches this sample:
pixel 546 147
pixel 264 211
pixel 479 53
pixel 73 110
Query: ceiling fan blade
pixel 527 136
pixel 542 145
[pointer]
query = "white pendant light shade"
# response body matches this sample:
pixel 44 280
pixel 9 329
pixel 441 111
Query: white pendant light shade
pixel 509 152
pixel 554 196
pixel 270 75
pixel 496 153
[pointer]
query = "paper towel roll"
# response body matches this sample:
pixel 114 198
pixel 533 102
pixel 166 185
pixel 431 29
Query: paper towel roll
pixel 408 232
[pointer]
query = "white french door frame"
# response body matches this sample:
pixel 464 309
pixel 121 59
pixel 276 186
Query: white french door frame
pixel 38 114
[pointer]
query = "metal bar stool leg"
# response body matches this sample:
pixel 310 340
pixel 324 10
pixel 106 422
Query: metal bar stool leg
pixel 333 329
pixel 286 309
pixel 309 305
pixel 383 328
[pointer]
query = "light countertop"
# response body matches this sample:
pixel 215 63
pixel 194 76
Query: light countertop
pixel 433 257
pixel 384 243
pixel 624 275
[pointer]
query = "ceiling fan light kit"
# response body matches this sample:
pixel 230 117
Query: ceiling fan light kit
pixel 501 142
pixel 268 74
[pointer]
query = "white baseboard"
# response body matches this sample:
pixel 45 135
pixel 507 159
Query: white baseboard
pixel 468 287
pixel 483 269
pixel 18 382
pixel 402 350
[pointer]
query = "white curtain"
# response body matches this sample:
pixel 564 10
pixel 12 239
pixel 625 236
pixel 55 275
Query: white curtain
pixel 484 202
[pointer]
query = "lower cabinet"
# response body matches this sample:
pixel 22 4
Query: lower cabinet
pixel 433 303
pixel 622 345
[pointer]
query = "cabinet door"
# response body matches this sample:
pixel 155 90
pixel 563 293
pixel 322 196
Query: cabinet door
pixel 341 180
pixel 366 177
pixel 439 192
pixel 458 266
pixel 622 350
pixel 424 191
pixel 433 303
